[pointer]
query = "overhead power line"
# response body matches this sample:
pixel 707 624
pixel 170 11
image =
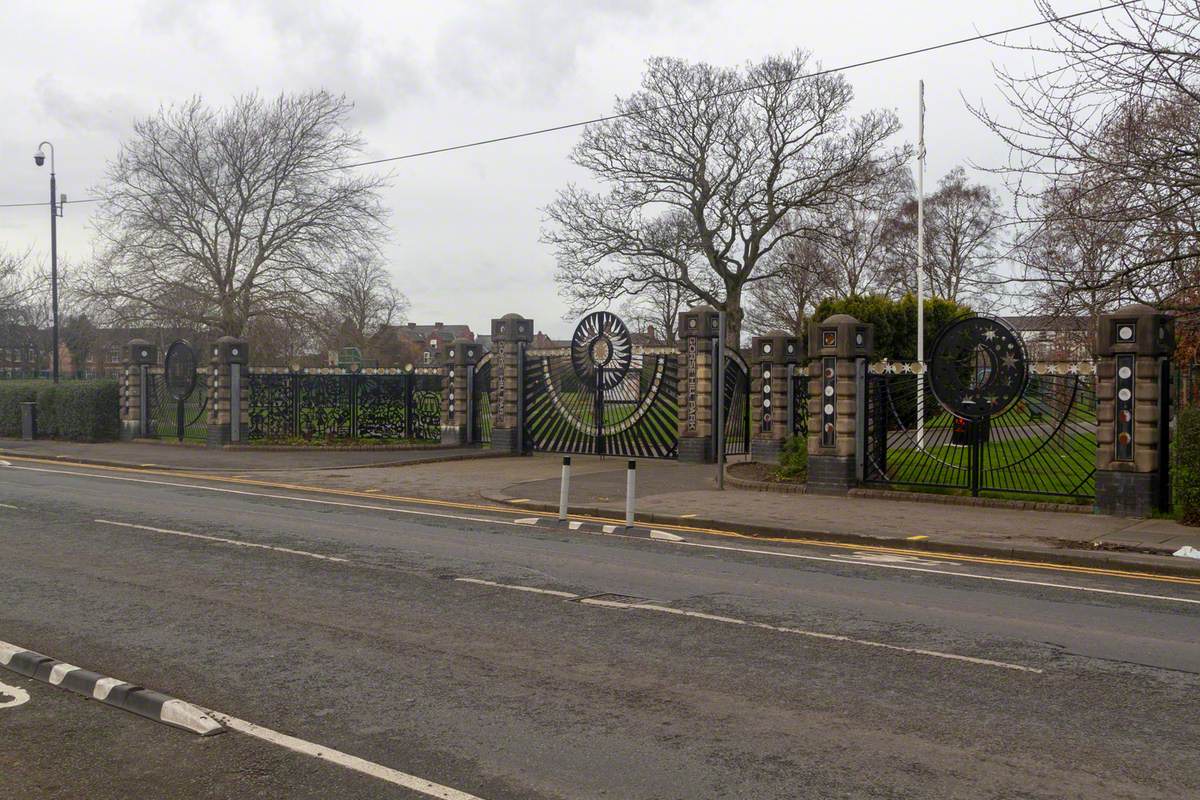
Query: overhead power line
pixel 747 88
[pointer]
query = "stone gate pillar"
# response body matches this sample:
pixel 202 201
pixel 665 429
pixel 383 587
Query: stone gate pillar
pixel 839 349
pixel 511 334
pixel 1134 345
pixel 769 422
pixel 699 329
pixel 228 392
pixel 456 400
pixel 140 355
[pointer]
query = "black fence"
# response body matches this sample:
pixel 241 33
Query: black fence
pixel 737 404
pixel 481 402
pixel 385 407
pixel 1044 444
pixel 181 420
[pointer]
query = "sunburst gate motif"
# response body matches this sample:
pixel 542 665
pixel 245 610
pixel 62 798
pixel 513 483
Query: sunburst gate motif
pixel 601 344
pixel 978 367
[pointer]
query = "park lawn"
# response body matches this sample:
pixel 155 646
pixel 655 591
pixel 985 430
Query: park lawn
pixel 1064 467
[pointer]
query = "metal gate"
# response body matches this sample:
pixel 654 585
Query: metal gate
pixel 737 404
pixel 602 395
pixel 798 400
pixel 181 420
pixel 1042 444
pixel 481 402
pixel 379 406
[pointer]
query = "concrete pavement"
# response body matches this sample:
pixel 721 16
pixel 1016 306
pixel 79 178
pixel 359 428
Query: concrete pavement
pixel 515 660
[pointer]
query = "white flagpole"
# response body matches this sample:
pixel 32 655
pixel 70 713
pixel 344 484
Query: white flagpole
pixel 921 263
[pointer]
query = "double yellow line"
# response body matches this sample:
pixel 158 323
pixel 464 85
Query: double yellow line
pixel 528 512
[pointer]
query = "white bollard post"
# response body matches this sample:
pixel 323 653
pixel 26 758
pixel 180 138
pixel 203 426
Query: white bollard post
pixel 630 481
pixel 564 489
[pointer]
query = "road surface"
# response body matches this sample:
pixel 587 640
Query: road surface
pixel 418 650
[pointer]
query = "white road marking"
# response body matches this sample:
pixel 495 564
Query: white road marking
pixel 105 685
pixel 371 769
pixel 683 612
pixel 526 521
pixel 5 464
pixel 609 528
pixel 245 493
pixel 7 651
pixel 19 696
pixel 664 536
pixel 755 551
pixel 892 558
pixel 60 671
pixel 287 550
pixel 518 588
pixel 6 505
pixel 574 525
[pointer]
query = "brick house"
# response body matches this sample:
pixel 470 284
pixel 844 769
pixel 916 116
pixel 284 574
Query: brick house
pixel 431 341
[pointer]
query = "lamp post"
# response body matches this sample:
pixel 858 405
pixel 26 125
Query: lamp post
pixel 56 205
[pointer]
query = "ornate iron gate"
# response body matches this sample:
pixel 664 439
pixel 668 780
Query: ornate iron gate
pixel 481 402
pixel 737 404
pixel 382 405
pixel 165 411
pixel 798 400
pixel 602 395
pixel 980 420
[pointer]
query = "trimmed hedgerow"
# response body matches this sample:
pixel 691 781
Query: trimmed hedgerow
pixel 82 411
pixel 1187 465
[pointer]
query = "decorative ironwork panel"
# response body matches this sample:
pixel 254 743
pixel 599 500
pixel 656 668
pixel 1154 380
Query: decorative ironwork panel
pixel 481 402
pixel 1042 444
pixel 272 412
pixel 603 396
pixel 425 407
pixel 325 406
pixel 164 410
pixel 799 402
pixel 977 367
pixel 736 404
pixel 381 406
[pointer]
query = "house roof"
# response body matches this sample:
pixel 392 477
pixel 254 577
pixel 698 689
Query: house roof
pixel 438 330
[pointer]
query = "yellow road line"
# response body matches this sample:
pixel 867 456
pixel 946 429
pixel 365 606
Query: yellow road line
pixel 374 495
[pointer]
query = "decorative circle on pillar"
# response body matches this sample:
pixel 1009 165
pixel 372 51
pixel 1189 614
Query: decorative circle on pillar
pixel 978 367
pixel 601 343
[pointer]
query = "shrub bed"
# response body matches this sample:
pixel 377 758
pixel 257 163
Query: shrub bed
pixel 1187 466
pixel 81 411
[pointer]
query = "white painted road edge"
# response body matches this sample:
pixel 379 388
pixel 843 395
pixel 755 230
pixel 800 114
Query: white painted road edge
pixel 220 540
pixel 833 637
pixel 371 769
pixel 19 696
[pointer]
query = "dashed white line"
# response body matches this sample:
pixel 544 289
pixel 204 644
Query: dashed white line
pixel 683 612
pixel 221 540
pixel 518 588
pixel 369 768
pixel 6 505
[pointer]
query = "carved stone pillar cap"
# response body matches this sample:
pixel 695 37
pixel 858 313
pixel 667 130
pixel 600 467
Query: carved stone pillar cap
pixel 139 351
pixel 231 350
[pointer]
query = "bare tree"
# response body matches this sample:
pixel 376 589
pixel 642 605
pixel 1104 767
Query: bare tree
pixel 1111 109
pixel 18 285
pixel 785 300
pixel 731 155
pixel 359 302
pixel 657 307
pixel 962 236
pixel 214 217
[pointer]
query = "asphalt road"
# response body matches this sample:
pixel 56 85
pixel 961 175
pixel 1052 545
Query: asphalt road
pixel 641 668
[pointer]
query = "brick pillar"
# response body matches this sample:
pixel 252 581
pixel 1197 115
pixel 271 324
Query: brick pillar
pixel 839 348
pixel 456 400
pixel 140 355
pixel 511 334
pixel 227 368
pixel 698 330
pixel 1134 345
pixel 769 421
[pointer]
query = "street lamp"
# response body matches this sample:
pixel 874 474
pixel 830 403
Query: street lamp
pixel 56 211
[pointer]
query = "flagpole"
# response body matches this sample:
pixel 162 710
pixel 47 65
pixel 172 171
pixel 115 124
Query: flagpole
pixel 921 263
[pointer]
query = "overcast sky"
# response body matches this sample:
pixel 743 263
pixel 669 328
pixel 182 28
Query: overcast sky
pixel 464 243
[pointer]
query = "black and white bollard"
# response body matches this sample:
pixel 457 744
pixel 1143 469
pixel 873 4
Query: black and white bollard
pixel 630 483
pixel 565 489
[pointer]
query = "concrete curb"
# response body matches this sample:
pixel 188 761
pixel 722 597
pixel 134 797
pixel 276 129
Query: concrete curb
pixel 1100 559
pixel 102 462
pixel 763 486
pixel 110 691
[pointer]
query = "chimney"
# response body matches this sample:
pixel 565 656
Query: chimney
pixel 650 333
pixel 412 324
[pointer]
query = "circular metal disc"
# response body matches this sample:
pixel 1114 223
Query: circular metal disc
pixel 978 367
pixel 601 343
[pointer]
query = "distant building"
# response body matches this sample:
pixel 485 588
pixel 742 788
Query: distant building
pixel 1056 338
pixel 24 351
pixel 431 341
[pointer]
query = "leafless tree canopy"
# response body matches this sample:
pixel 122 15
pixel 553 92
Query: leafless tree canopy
pixel 784 301
pixel 703 180
pixel 1107 132
pixel 214 217
pixel 360 302
pixel 962 236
